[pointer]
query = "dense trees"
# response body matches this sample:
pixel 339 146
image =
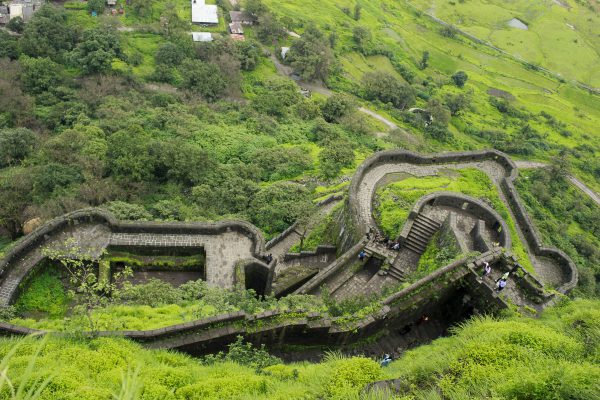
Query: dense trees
pixel 387 89
pixel 97 50
pixel 15 145
pixel 310 56
pixel 278 206
pixel 39 74
pixel 203 78
pixel 48 34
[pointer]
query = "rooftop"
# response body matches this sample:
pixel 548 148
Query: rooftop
pixel 204 13
pixel 202 36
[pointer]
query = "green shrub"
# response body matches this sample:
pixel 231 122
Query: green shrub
pixel 350 376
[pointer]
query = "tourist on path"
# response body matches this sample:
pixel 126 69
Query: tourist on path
pixel 362 255
pixel 486 269
pixel 501 285
pixel 386 360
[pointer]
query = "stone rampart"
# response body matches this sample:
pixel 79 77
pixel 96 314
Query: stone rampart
pixel 473 206
pixel 296 326
pixel 568 268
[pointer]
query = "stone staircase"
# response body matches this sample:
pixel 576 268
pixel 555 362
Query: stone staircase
pixel 373 249
pixel 421 232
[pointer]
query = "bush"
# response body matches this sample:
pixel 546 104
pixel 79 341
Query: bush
pixel 203 78
pixel 337 106
pixel 127 212
pixel 387 89
pixel 350 376
pixel 460 78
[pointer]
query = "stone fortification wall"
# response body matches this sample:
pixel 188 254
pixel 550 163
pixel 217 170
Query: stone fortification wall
pixel 460 201
pixel 298 326
pixel 569 270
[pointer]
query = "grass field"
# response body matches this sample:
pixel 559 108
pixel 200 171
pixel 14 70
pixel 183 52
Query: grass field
pixel 562 35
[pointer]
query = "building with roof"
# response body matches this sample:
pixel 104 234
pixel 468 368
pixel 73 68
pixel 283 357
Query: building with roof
pixel 236 28
pixel 19 8
pixel 202 37
pixel 243 17
pixel 205 14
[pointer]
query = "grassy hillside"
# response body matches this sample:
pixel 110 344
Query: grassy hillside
pixel 562 36
pixel 554 357
pixel 402 34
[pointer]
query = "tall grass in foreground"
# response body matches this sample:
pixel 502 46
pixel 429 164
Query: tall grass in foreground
pixel 29 386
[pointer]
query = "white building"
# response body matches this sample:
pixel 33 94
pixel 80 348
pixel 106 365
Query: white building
pixel 202 36
pixel 203 13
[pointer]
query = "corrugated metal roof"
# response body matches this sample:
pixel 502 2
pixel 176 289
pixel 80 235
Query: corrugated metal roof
pixel 202 36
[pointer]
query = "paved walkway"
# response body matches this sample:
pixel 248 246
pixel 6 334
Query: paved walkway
pixel 223 251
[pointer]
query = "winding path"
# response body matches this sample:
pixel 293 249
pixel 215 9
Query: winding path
pixel 582 186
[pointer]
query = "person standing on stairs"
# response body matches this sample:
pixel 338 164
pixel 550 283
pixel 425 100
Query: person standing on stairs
pixel 486 269
pixel 362 255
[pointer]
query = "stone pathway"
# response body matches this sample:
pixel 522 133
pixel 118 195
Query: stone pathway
pixel 547 270
pixel 223 251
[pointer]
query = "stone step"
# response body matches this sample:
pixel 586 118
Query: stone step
pixel 415 249
pixel 423 232
pixel 429 220
pixel 425 227
pixel 394 273
pixel 418 239
pixel 426 232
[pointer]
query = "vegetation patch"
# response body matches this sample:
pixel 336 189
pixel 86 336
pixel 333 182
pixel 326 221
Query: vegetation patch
pixel 394 201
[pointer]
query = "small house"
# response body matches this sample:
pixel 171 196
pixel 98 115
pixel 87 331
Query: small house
pixel 202 37
pixel 205 14
pixel 236 28
pixel 242 17
pixel 111 3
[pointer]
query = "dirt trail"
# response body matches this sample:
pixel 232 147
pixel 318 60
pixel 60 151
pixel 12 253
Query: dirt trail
pixel 582 186
pixel 286 70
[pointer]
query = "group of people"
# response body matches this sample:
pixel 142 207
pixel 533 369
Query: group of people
pixel 500 282
pixel 378 238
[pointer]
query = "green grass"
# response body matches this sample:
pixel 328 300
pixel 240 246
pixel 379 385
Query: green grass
pixel 549 358
pixel 553 357
pixel 394 201
pixel 45 295
pixel 546 42
pixel 441 250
